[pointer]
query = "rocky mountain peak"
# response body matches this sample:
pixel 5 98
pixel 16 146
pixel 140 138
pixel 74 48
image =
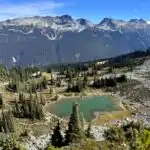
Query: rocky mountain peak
pixel 137 21
pixel 38 36
pixel 66 17
pixel 107 21
pixel 84 22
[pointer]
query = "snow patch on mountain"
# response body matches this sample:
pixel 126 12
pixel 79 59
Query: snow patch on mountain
pixel 67 23
pixel 14 30
pixel 62 23
pixel 21 31
pixel 148 22
pixel 14 59
pixel 52 35
pixel 27 21
pixel 111 24
pixel 54 27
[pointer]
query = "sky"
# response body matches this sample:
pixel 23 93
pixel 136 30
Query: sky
pixel 94 10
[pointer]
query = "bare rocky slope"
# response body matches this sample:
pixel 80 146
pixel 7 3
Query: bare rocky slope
pixel 43 40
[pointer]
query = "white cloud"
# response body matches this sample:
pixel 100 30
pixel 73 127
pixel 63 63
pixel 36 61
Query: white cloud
pixel 12 10
pixel 148 22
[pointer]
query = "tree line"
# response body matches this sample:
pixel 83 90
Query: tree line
pixel 28 108
pixel 108 82
pixel 31 86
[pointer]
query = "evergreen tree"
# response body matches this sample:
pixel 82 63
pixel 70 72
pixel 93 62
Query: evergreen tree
pixel 110 70
pixel 42 100
pixel 57 139
pixel 82 121
pixel 17 111
pixel 17 87
pixel 51 91
pixel 7 123
pixel 1 100
pixel 56 97
pixel 26 111
pixel 88 133
pixel 21 97
pixel 4 123
pixel 79 86
pixel 44 83
pixel 130 65
pixel 74 132
pixel 29 108
pixel 39 111
pixel 85 81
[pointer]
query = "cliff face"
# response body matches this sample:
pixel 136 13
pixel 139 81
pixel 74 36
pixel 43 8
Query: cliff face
pixel 43 40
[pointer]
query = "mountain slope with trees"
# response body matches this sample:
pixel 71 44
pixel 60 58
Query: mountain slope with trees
pixel 43 40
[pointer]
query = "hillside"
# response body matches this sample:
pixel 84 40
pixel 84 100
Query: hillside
pixel 94 106
pixel 43 40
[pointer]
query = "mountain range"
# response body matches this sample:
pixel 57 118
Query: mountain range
pixel 44 40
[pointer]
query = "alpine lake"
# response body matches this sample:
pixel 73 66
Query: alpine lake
pixel 89 106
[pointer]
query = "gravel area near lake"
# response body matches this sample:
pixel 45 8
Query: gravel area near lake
pixel 33 143
pixel 138 99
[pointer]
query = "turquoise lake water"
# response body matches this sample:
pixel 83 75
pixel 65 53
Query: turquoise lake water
pixel 88 105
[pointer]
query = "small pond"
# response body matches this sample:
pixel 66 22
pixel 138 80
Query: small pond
pixel 88 105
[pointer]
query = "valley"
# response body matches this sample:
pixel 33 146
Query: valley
pixel 99 94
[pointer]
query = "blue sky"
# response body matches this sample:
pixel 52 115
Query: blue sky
pixel 93 10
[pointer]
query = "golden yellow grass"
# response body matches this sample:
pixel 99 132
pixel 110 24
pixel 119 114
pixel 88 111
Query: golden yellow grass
pixel 110 116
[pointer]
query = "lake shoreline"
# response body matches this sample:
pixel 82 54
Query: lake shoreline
pixel 115 98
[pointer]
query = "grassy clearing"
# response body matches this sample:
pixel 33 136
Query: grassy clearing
pixel 110 116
